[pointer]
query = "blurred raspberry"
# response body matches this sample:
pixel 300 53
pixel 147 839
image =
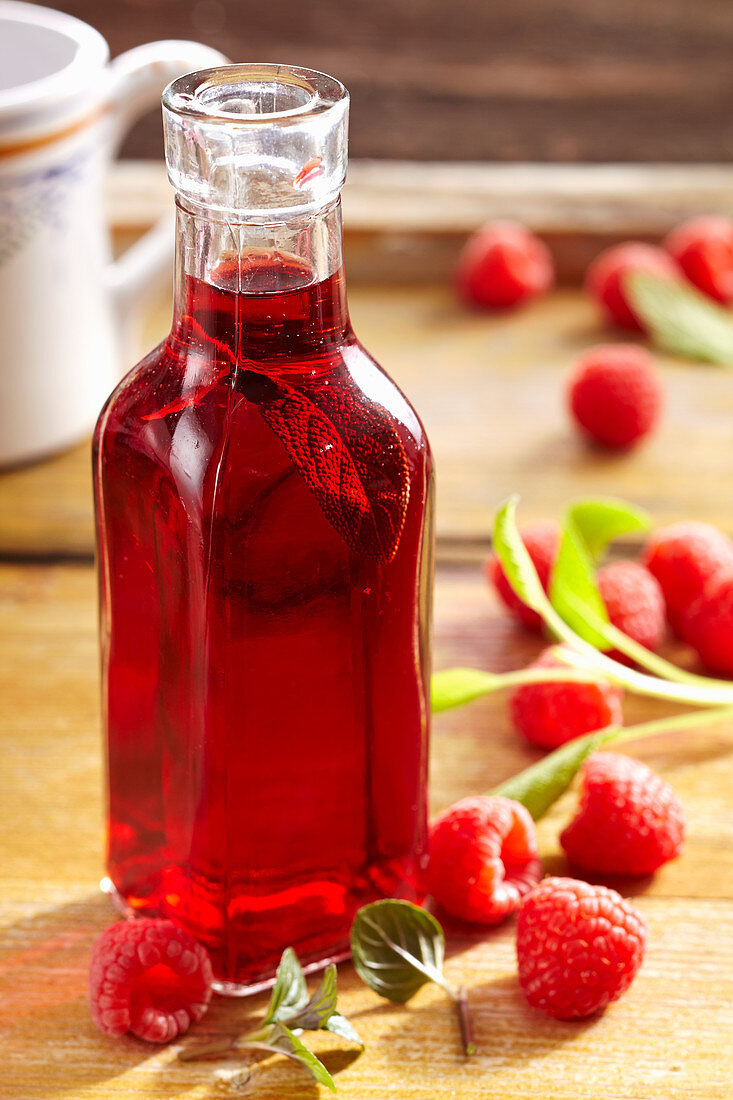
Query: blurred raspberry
pixel 703 248
pixel 604 279
pixel 579 947
pixel 483 858
pixel 615 394
pixel 684 557
pixel 550 714
pixel 708 624
pixel 503 265
pixel 148 977
pixel 629 821
pixel 634 602
pixel 542 541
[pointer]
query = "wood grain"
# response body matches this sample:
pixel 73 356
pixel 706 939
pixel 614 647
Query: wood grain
pixel 566 80
pixel 667 1039
pixel 490 391
pixel 407 222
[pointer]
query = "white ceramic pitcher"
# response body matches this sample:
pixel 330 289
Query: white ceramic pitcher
pixel 64 304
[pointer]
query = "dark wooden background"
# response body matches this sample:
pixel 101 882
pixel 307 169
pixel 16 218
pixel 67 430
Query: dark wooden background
pixel 541 80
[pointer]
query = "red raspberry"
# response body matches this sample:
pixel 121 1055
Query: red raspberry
pixel 703 248
pixel 615 394
pixel 634 602
pixel 542 541
pixel 604 279
pixel 579 947
pixel 708 624
pixel 503 265
pixel 684 557
pixel 148 977
pixel 629 821
pixel 483 858
pixel 550 714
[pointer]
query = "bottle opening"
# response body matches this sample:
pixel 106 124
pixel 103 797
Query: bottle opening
pixel 254 93
pixel 256 141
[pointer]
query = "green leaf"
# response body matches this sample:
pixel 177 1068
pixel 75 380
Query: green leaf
pixel 340 1026
pixel 680 319
pixel 315 1014
pixel 455 686
pixel 599 520
pixel 397 947
pixel 289 992
pixel 541 784
pixel 276 1038
pixel 515 561
pixel 573 588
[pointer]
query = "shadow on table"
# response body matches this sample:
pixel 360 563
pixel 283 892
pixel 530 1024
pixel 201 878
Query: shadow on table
pixel 48 1043
pixel 507 1032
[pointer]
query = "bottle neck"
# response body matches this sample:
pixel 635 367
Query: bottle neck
pixel 267 291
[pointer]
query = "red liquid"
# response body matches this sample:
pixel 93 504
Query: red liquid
pixel 263 503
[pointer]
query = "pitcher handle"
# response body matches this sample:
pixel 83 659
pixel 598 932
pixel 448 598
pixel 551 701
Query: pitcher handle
pixel 137 79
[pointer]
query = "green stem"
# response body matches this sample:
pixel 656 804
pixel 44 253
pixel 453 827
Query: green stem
pixel 644 657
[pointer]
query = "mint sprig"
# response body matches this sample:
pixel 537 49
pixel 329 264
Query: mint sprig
pixel 290 1012
pixel 397 948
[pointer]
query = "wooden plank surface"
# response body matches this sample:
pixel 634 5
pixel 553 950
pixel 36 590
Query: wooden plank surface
pixel 490 391
pixel 406 222
pixel 667 1039
pixel 568 80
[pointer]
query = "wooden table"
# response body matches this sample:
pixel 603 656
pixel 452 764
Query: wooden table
pixel 490 393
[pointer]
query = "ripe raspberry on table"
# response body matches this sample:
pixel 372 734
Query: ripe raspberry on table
pixel 703 248
pixel 708 624
pixel 552 713
pixel 684 558
pixel 634 602
pixel 503 265
pixel 629 821
pixel 149 977
pixel 482 858
pixel 579 947
pixel 604 279
pixel 542 542
pixel 615 394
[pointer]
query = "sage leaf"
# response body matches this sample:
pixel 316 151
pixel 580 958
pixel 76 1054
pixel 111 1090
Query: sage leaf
pixel 515 561
pixel 680 319
pixel 289 993
pixel 342 1027
pixel 455 686
pixel 573 588
pixel 599 520
pixel 276 1038
pixel 540 785
pixel 396 948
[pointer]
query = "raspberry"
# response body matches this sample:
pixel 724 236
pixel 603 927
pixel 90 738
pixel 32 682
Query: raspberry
pixel 703 248
pixel 550 714
pixel 148 977
pixel 708 624
pixel 579 947
pixel 542 541
pixel 615 394
pixel 634 602
pixel 604 279
pixel 684 557
pixel 629 821
pixel 503 265
pixel 483 858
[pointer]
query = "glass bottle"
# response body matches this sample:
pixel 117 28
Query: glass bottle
pixel 264 520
